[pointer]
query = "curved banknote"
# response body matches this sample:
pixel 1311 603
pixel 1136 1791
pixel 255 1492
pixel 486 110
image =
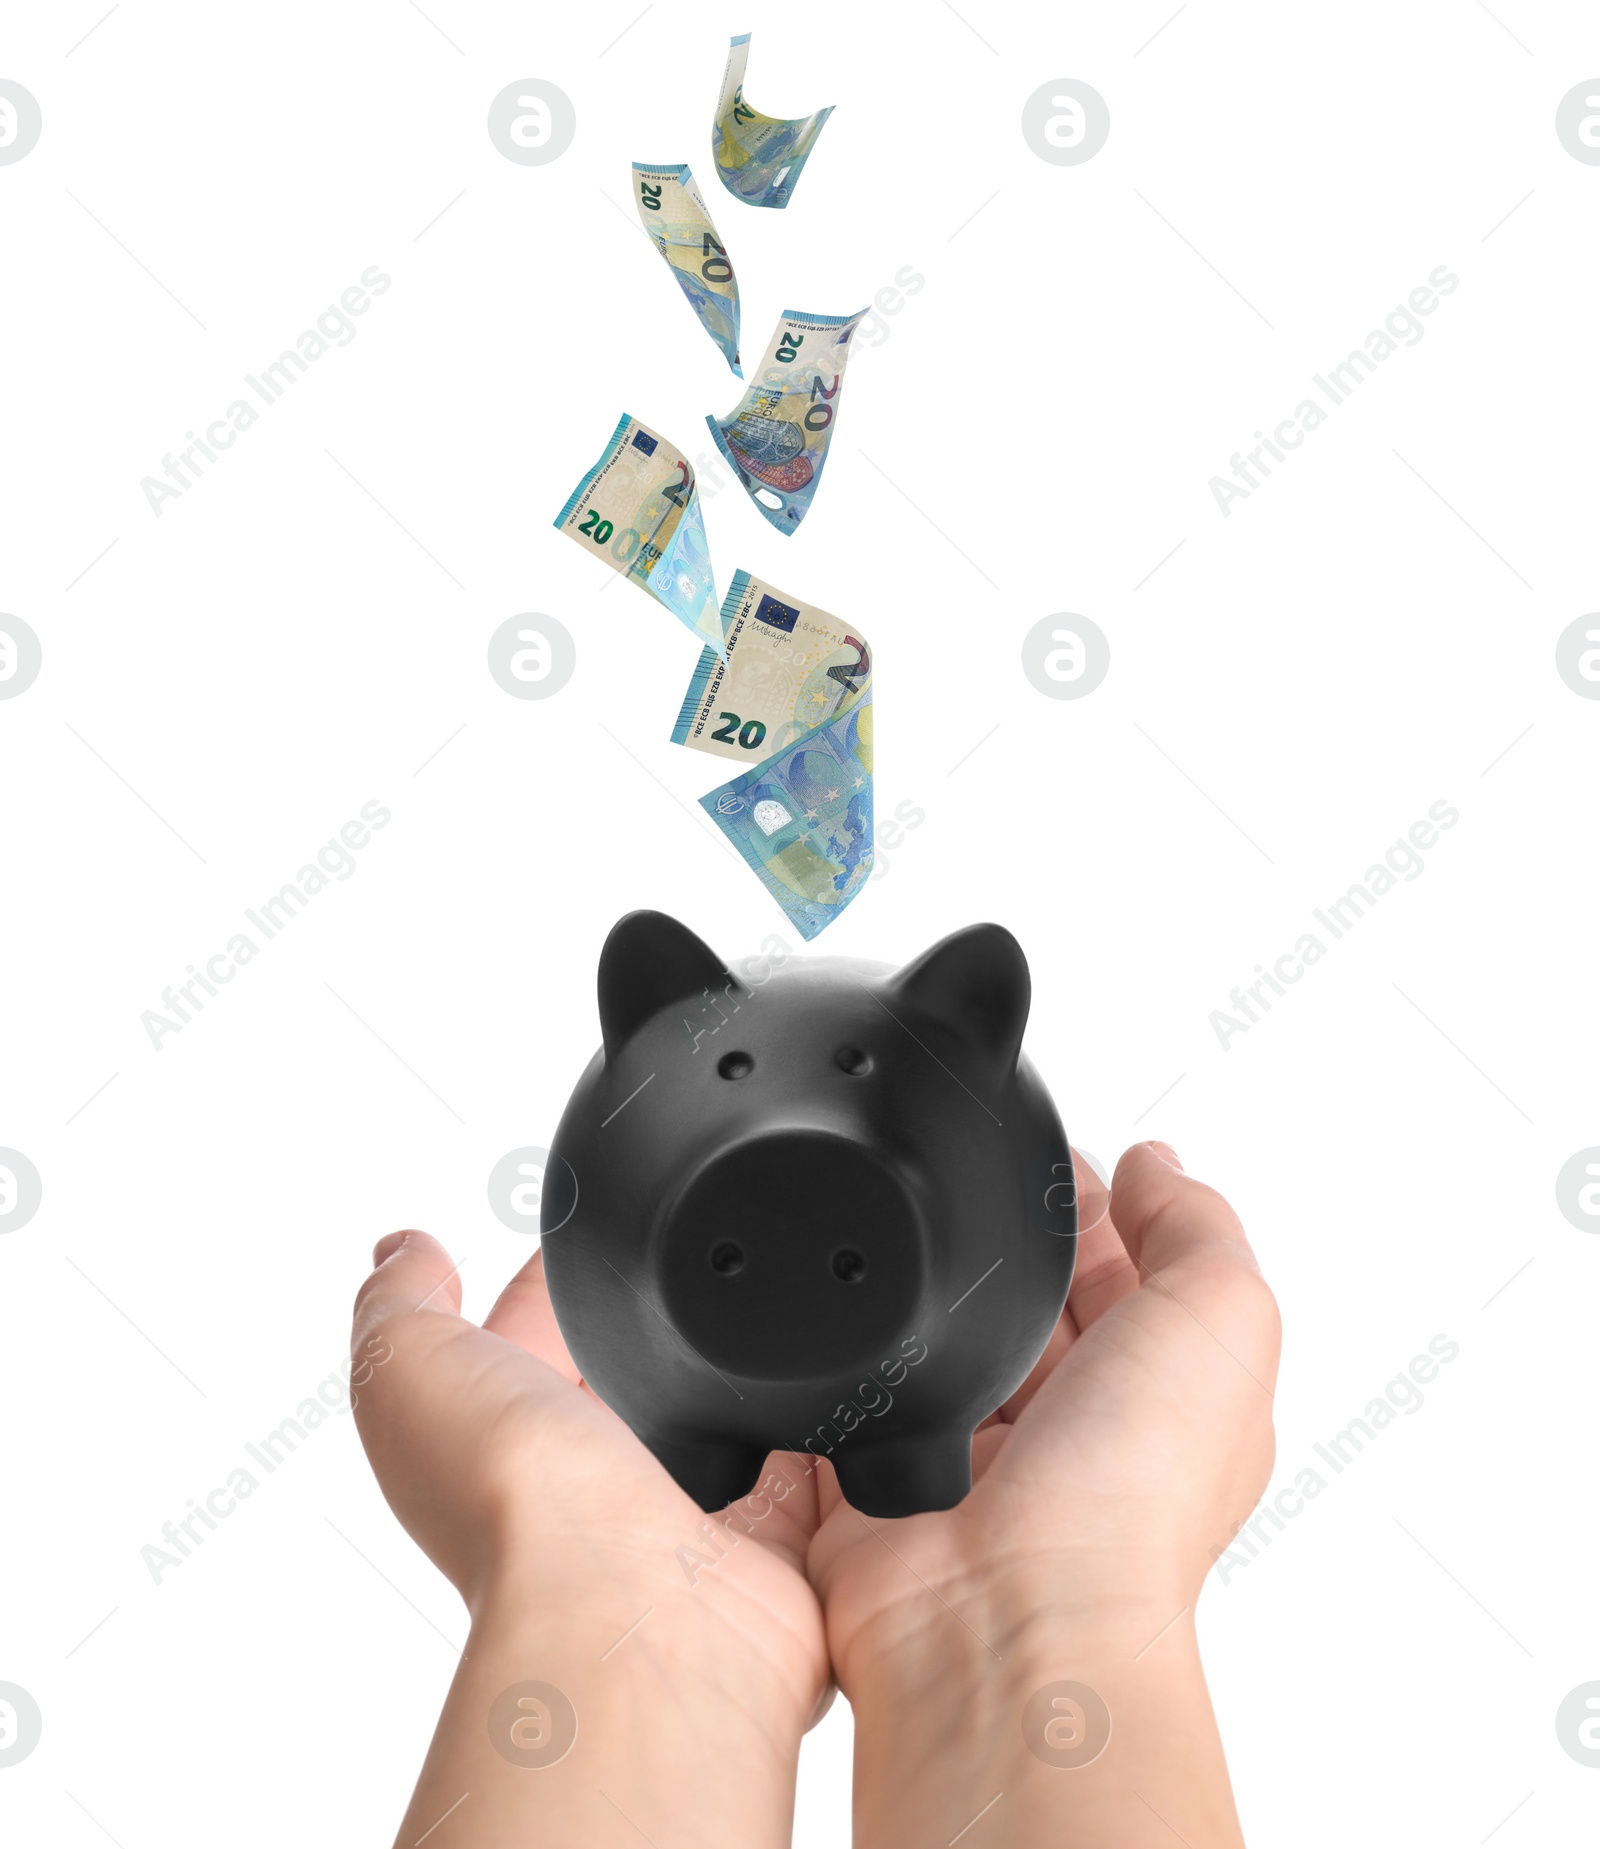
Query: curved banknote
pixel 789 668
pixel 802 821
pixel 777 436
pixel 758 157
pixel 793 699
pixel 680 227
pixel 637 508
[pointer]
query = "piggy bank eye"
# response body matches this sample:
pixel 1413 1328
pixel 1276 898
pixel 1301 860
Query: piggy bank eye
pixel 849 1267
pixel 851 1059
pixel 735 1066
pixel 727 1257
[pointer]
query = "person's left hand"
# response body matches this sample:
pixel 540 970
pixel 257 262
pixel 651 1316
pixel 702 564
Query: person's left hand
pixel 1129 1456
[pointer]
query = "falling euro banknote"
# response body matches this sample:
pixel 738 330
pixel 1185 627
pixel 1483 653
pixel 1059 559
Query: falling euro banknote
pixel 777 436
pixel 788 668
pixel 759 158
pixel 680 227
pixel 797 679
pixel 638 510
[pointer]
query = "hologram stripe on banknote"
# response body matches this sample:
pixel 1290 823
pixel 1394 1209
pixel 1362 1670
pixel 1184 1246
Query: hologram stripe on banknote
pixel 641 515
pixel 794 701
pixel 787 667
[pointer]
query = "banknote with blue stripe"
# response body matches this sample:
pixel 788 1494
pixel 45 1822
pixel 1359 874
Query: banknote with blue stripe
pixel 759 158
pixel 678 223
pixel 777 436
pixel 637 510
pixel 792 699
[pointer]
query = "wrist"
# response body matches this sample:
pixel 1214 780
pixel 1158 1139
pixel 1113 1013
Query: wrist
pixel 1084 1704
pixel 594 1711
pixel 643 1631
pixel 1014 1611
pixel 717 1601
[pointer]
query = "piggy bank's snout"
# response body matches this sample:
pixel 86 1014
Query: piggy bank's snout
pixel 795 1256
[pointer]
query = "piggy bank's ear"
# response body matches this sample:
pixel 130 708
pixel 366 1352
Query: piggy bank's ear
pixel 976 983
pixel 648 961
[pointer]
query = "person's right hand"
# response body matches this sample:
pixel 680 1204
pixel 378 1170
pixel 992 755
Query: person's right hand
pixel 509 1472
pixel 685 1693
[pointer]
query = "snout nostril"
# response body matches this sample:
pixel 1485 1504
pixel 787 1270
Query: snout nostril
pixel 727 1257
pixel 735 1066
pixel 851 1059
pixel 849 1267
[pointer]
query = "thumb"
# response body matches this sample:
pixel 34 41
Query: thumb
pixel 1188 1245
pixel 411 1273
pixel 1167 1218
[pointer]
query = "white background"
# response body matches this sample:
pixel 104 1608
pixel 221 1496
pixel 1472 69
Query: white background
pixel 1369 633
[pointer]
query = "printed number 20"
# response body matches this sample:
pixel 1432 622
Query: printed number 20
pixel 598 530
pixel 751 732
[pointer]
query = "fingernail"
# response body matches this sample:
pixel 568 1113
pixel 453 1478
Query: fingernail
pixel 1168 1155
pixel 387 1246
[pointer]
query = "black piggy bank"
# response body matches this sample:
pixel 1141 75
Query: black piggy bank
pixel 829 1211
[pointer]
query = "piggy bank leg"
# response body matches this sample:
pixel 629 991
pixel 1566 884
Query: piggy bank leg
pixel 906 1476
pixel 713 1474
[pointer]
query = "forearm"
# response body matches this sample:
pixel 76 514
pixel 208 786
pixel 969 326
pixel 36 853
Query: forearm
pixel 997 1734
pixel 662 1732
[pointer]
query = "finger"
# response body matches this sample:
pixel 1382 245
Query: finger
pixel 1168 1219
pixel 412 1272
pixel 782 1511
pixel 523 1314
pixel 1104 1273
pixel 1190 1249
pixel 829 1494
pixel 798 1469
pixel 987 1444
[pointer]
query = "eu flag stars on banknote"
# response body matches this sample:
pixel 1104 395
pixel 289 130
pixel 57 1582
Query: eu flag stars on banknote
pixel 793 700
pixel 782 688
pixel 638 510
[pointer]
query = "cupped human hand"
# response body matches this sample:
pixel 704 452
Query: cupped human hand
pixel 1117 1471
pixel 508 1471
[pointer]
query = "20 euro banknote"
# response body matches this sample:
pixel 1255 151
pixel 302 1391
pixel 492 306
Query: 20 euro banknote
pixel 802 821
pixel 679 225
pixel 793 699
pixel 777 436
pixel 637 509
pixel 759 158
pixel 789 668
